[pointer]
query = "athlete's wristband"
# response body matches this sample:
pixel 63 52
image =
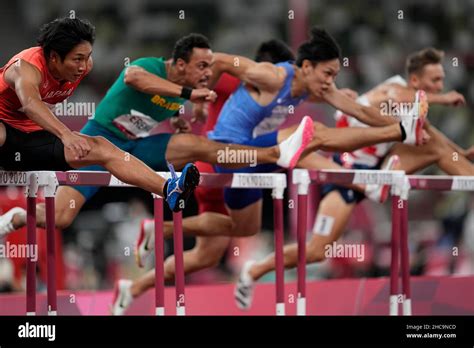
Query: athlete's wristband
pixel 186 93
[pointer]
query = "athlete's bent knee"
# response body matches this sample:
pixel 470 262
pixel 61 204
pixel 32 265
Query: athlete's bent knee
pixel 100 142
pixel 63 219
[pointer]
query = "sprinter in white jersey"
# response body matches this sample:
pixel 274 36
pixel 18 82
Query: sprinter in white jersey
pixel 424 71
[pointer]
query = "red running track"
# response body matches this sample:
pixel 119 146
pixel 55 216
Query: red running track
pixel 430 295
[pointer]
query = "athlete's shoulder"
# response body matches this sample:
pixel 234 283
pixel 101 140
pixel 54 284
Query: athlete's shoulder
pixel 285 69
pixel 32 55
pixel 29 63
pixel 35 52
pixel 288 64
pixel 396 80
pixel 152 64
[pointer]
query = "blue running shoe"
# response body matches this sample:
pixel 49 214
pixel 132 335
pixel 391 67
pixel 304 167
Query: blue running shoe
pixel 178 189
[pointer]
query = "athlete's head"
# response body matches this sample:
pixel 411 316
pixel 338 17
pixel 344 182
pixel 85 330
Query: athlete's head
pixel 67 45
pixel 318 59
pixel 192 57
pixel 274 51
pixel 425 71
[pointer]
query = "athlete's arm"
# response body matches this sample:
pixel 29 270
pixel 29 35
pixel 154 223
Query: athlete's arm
pixel 401 94
pixel 200 112
pixel 451 98
pixel 25 79
pixel 365 114
pixel 264 76
pixel 146 82
pixel 180 125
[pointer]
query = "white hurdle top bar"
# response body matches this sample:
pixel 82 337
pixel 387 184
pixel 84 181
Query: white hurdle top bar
pixel 346 176
pixel 441 182
pixel 96 178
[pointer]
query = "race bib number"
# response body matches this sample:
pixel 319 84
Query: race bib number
pixel 323 225
pixel 135 125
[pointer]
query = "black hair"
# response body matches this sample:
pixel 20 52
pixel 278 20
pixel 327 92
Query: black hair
pixel 274 51
pixel 321 47
pixel 184 46
pixel 63 34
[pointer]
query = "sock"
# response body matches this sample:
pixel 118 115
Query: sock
pixel 165 190
pixel 404 134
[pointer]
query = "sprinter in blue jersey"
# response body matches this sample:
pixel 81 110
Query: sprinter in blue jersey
pixel 266 86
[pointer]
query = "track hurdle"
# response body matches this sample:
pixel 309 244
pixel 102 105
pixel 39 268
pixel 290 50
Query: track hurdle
pixel 303 178
pixel 277 183
pixel 32 182
pixel 422 182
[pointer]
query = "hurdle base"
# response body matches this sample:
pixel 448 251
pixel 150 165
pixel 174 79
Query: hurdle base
pixel 30 313
pixel 407 307
pixel 180 311
pixel 393 304
pixel 301 306
pixel 52 313
pixel 280 309
pixel 160 311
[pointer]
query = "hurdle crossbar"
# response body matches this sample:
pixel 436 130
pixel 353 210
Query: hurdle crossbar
pixel 441 182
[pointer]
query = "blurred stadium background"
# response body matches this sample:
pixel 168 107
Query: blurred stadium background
pixel 98 247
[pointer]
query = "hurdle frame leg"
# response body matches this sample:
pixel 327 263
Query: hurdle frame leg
pixel 179 263
pixel 277 195
pixel 31 192
pixel 404 250
pixel 159 256
pixel 50 194
pixel 303 182
pixel 395 252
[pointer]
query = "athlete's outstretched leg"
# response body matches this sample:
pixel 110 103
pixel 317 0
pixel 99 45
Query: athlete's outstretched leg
pixel 184 148
pixel 121 164
pixel 436 151
pixel 334 209
pixel 350 139
pixel 336 213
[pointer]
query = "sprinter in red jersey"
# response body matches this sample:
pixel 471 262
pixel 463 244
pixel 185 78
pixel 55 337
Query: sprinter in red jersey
pixel 32 138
